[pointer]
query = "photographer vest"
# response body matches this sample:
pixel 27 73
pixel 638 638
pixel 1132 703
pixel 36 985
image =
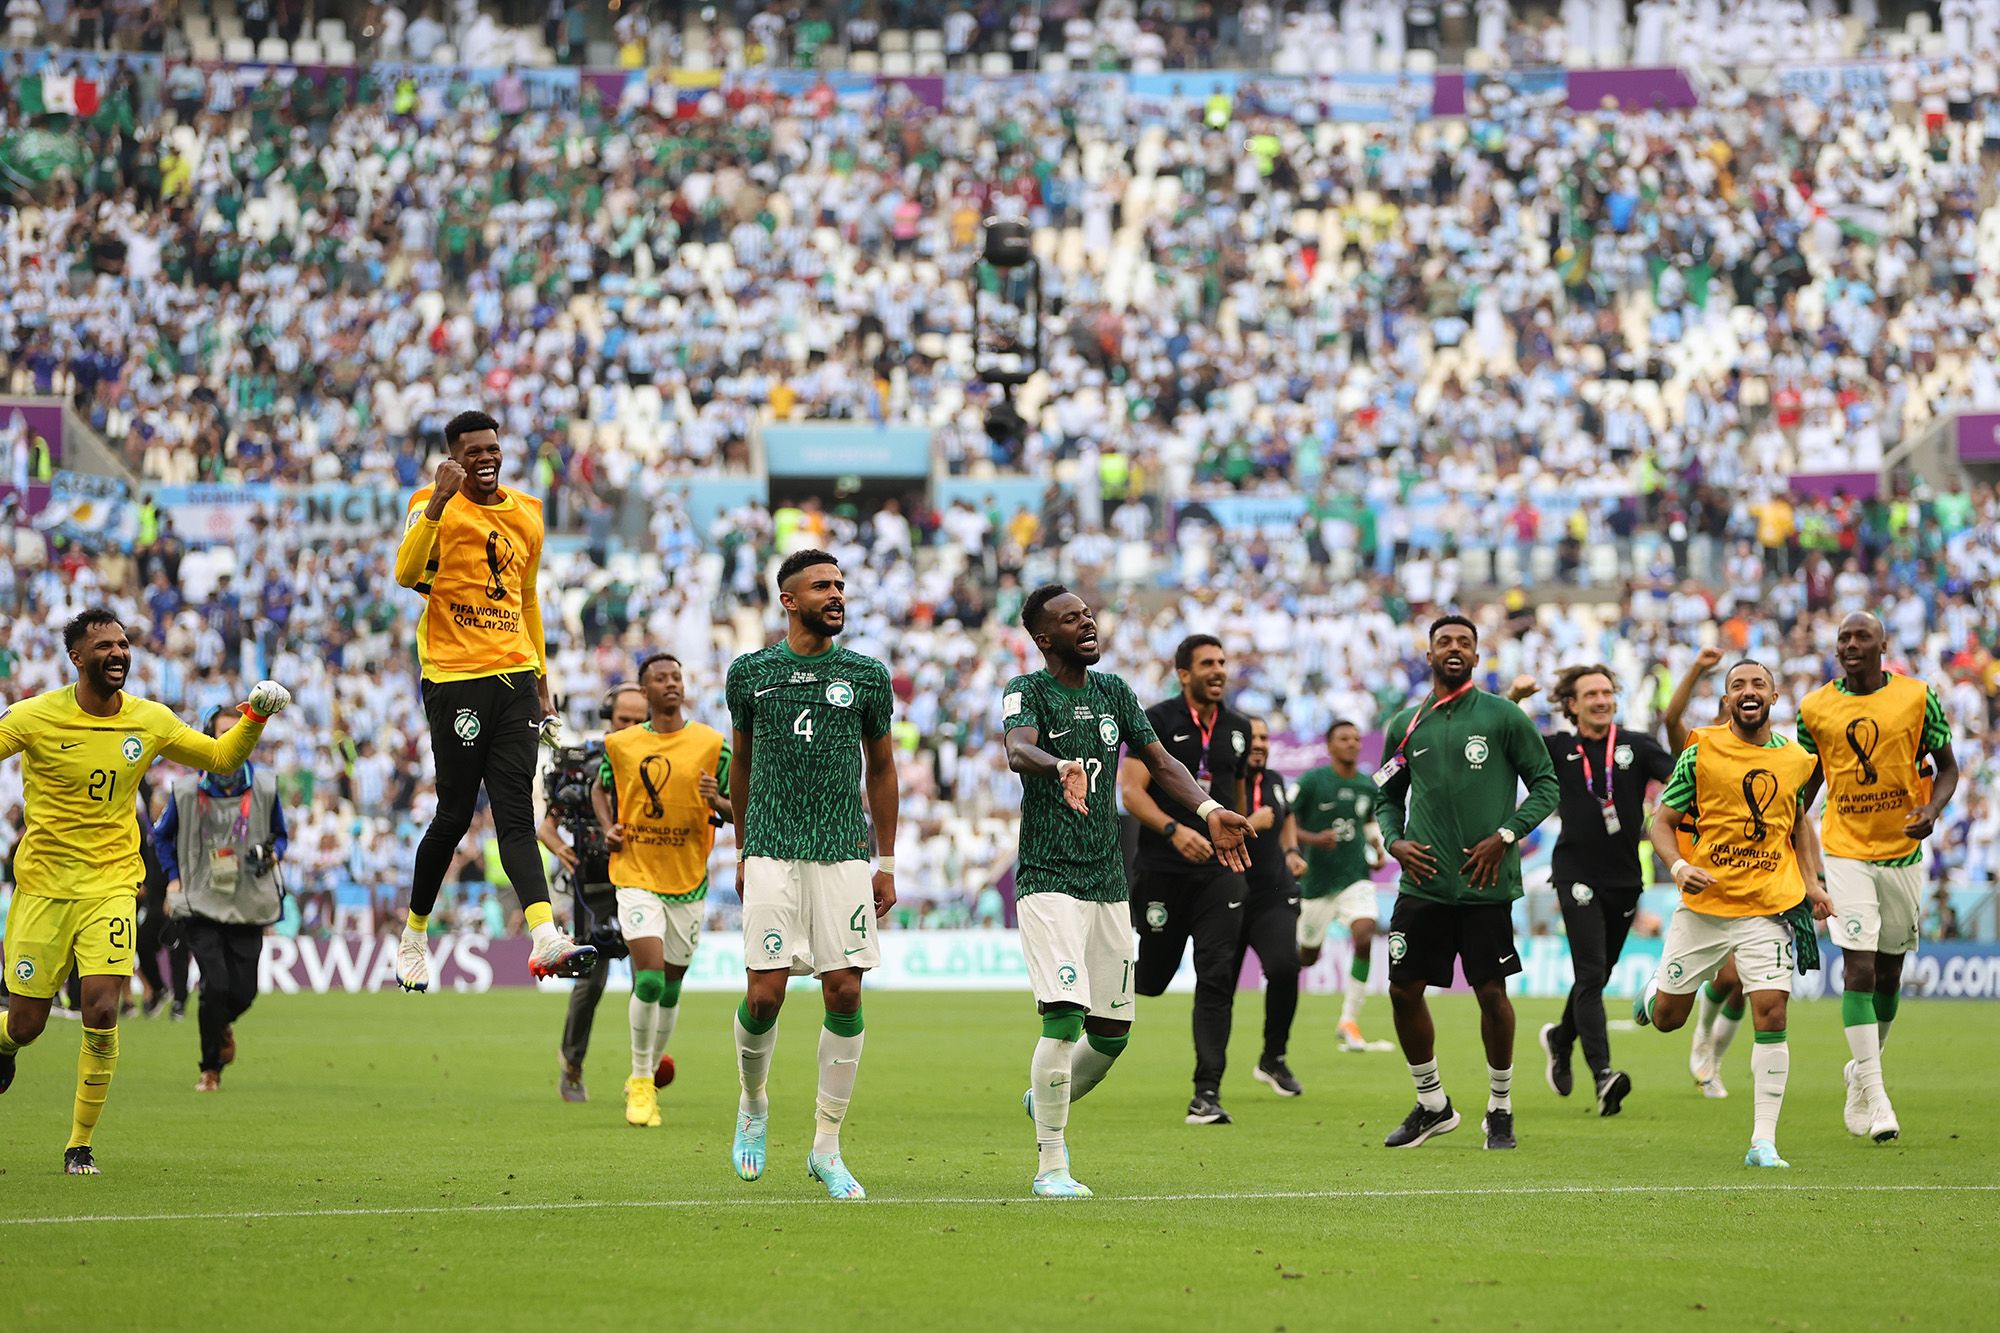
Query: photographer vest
pixel 213 845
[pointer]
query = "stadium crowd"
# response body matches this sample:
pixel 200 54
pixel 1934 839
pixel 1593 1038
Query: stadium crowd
pixel 1570 363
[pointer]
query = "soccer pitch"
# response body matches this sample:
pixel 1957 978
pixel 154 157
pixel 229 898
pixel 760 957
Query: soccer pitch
pixel 392 1160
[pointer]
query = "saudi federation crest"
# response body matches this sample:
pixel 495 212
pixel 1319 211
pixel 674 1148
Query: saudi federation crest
pixel 774 944
pixel 465 725
pixel 1476 749
pixel 131 749
pixel 1239 742
pixel 1622 756
pixel 1582 893
pixel 1067 975
pixel 24 970
pixel 1107 731
pixel 840 694
pixel 1398 946
pixel 1156 915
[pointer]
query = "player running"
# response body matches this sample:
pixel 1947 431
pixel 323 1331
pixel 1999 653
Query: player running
pixel 1872 730
pixel 78 868
pixel 1334 808
pixel 1721 1008
pixel 475 552
pixel 1065 725
pixel 659 800
pixel 808 713
pixel 1742 897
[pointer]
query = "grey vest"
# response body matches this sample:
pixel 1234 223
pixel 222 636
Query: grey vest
pixel 207 824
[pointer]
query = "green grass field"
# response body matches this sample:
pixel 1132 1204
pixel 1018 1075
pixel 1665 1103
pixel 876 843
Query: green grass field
pixel 400 1161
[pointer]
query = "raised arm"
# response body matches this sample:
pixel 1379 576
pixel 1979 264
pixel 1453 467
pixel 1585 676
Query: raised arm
pixel 1705 661
pixel 413 553
pixel 216 754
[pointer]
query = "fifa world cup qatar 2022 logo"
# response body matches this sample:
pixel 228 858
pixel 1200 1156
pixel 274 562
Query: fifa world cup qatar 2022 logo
pixel 1862 737
pixel 1760 788
pixel 499 559
pixel 654 770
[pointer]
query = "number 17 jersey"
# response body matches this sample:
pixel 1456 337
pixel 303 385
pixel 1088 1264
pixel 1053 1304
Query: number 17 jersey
pixel 1061 850
pixel 807 718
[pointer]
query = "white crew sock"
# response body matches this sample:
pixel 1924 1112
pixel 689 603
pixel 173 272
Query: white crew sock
pixel 544 933
pixel 1770 1064
pixel 1499 1088
pixel 1865 1044
pixel 753 1066
pixel 839 1062
pixel 1050 1078
pixel 1430 1088
pixel 1706 1011
pixel 1087 1067
pixel 1352 989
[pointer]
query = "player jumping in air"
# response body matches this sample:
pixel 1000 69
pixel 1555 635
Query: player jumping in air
pixel 78 868
pixel 665 778
pixel 475 553
pixel 806 713
pixel 1065 726
pixel 1742 895
pixel 1872 730
pixel 1335 811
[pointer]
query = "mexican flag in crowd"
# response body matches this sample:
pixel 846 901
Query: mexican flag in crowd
pixel 57 95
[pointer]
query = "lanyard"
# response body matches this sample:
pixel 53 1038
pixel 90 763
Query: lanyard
pixel 1583 757
pixel 1207 736
pixel 241 827
pixel 1434 703
pixel 1257 793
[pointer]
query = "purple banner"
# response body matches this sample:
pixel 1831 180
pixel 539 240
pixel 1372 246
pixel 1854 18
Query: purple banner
pixel 356 963
pixel 1631 89
pixel 1978 437
pixel 1825 485
pixel 1448 94
pixel 28 428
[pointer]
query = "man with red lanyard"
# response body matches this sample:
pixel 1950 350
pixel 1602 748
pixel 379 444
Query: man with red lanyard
pixel 1605 773
pixel 1455 764
pixel 1181 891
pixel 1271 913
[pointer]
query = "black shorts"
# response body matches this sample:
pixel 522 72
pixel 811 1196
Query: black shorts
pixel 1173 905
pixel 1426 938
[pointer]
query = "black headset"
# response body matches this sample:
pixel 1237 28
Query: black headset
pixel 611 698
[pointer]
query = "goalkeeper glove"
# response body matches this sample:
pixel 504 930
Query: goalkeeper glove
pixel 267 699
pixel 550 731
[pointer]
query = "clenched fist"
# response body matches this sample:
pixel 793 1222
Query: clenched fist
pixel 450 480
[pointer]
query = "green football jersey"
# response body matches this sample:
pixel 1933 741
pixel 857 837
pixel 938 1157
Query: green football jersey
pixel 807 718
pixel 1061 850
pixel 1326 800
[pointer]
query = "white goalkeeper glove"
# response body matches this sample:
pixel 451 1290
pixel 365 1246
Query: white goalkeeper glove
pixel 550 731
pixel 267 699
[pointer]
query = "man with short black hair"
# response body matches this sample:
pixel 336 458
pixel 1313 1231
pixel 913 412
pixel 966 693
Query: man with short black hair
pixel 1271 912
pixel 1185 891
pixel 1334 809
pixel 1452 766
pixel 475 552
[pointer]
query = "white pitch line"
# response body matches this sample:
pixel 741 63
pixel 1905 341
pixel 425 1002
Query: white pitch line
pixel 579 1205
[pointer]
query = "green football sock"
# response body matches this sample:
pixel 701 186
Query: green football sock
pixel 1856 1008
pixel 753 1024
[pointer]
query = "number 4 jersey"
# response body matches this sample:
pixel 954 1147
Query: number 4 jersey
pixel 807 718
pixel 1061 850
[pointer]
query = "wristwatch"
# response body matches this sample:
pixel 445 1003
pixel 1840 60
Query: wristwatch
pixel 1173 825
pixel 1509 837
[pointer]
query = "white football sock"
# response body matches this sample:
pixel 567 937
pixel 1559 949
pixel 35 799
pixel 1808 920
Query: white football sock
pixel 1725 1032
pixel 1882 1033
pixel 1865 1044
pixel 1770 1065
pixel 1430 1088
pixel 1050 1078
pixel 644 1017
pixel 543 933
pixel 839 1062
pixel 1706 1011
pixel 663 1029
pixel 1352 990
pixel 1499 1088
pixel 1087 1068
pixel 753 1066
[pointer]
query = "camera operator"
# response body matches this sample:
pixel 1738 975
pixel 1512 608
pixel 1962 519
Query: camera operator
pixel 219 842
pixel 570 831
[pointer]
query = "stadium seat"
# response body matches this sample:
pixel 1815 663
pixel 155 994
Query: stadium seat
pixel 227 26
pixel 895 39
pixel 274 50
pixel 864 62
pixel 306 51
pixel 927 40
pixel 330 31
pixel 996 62
pixel 203 47
pixel 1918 24
pixel 446 54
pixel 340 53
pixel 1420 61
pixel 928 62
pixel 238 50
pixel 1055 62
pixel 897 63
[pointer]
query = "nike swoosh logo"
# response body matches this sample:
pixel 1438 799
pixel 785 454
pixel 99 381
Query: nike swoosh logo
pixel 71 745
pixel 839 1061
pixel 1573 756
pixel 1507 958
pixel 855 950
pixel 1234 906
pixel 1415 753
pixel 1119 1004
pixel 1064 732
pixel 768 689
pixel 1628 915
pixel 1327 806
pixel 1059 1081
pixel 1178 739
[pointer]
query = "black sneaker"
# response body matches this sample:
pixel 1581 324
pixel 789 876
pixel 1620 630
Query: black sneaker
pixel 1499 1127
pixel 1206 1110
pixel 1557 1071
pixel 1274 1074
pixel 1421 1124
pixel 180 1010
pixel 79 1162
pixel 1612 1091
pixel 6 1072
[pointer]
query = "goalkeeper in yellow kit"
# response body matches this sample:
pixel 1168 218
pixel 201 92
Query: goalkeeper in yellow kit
pixel 77 870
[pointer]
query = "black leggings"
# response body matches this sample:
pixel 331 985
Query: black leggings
pixel 228 956
pixel 1597 922
pixel 1271 928
pixel 482 734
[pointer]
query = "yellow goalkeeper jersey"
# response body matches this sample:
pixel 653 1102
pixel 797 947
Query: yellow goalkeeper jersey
pixel 80 776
